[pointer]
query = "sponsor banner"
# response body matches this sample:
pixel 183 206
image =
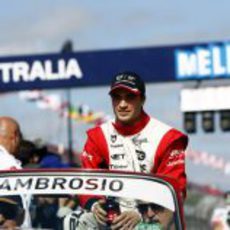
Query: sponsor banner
pixel 101 184
pixel 95 68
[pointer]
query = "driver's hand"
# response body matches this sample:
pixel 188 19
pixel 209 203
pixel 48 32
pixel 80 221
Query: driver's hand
pixel 127 220
pixel 99 212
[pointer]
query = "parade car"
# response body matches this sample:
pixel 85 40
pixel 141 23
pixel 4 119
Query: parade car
pixel 51 199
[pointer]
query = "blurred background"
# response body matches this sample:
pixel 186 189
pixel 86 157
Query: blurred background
pixel 58 118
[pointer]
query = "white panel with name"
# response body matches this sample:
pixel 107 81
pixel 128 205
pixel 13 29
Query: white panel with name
pixel 205 99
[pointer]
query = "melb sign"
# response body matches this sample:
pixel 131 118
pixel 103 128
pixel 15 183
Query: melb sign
pixel 203 62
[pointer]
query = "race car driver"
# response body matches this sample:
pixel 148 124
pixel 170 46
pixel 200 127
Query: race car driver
pixel 135 142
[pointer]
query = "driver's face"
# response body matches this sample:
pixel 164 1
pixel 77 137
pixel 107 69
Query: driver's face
pixel 127 106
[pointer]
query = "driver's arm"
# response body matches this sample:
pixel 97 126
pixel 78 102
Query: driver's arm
pixel 170 158
pixel 95 153
pixel 94 156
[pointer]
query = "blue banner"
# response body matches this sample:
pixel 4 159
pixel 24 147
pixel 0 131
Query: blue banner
pixel 78 69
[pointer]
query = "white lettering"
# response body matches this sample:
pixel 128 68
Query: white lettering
pixel 218 67
pixel 203 62
pixel 61 68
pixel 187 64
pixel 40 70
pixel 5 68
pixel 49 70
pixel 73 69
pixel 212 61
pixel 20 70
pixel 37 71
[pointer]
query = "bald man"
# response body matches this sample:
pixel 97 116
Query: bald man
pixel 10 138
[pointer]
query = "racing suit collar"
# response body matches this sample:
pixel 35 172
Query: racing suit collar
pixel 127 130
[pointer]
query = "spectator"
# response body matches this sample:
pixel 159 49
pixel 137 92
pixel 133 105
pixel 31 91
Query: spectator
pixel 52 160
pixel 133 142
pixel 155 217
pixel 10 138
pixel 63 205
pixel 44 209
pixel 31 155
pixel 47 211
pixel 220 219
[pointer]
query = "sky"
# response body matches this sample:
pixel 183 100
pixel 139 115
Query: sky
pixel 42 26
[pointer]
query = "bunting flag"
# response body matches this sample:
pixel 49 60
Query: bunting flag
pixel 52 101
pixel 32 95
pixel 209 160
pixel 81 113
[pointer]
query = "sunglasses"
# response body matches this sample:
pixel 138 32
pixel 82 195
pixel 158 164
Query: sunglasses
pixel 144 207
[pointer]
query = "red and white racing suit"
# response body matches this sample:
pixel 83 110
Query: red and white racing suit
pixel 148 146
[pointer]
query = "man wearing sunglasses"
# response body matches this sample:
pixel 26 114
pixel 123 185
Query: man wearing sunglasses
pixel 155 217
pixel 135 142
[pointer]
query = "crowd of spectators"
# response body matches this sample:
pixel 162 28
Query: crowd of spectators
pixel 46 211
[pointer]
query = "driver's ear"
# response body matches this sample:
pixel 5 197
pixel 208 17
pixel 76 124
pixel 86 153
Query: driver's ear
pixel 143 100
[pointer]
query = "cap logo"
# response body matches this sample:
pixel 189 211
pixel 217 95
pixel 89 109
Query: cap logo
pixel 126 78
pixel 129 81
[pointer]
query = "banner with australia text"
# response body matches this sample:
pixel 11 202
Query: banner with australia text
pixel 95 68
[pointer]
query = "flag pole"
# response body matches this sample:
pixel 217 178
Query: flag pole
pixel 68 48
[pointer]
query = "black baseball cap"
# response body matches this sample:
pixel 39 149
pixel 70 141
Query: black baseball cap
pixel 130 81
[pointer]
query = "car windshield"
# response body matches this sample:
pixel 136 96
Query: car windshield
pixel 52 199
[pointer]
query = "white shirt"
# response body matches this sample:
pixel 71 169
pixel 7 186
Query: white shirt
pixel 9 162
